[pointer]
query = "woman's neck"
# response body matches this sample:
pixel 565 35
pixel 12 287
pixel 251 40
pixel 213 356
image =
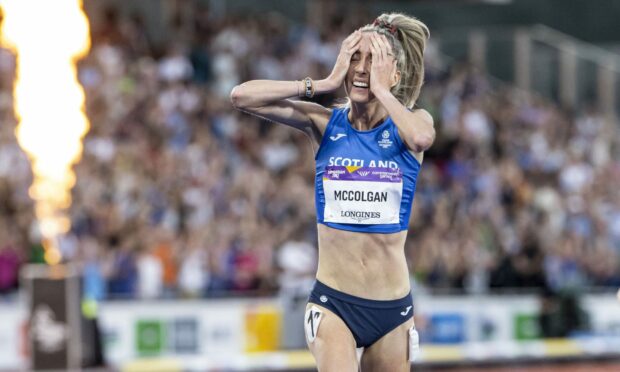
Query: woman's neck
pixel 365 116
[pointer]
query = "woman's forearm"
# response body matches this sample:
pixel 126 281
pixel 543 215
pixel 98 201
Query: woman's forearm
pixel 417 128
pixel 258 93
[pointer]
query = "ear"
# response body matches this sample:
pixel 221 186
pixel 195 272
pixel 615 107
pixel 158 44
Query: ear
pixel 395 78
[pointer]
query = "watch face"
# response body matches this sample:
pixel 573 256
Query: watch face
pixel 308 88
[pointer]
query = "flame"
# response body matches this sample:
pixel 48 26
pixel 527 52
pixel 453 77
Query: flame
pixel 48 37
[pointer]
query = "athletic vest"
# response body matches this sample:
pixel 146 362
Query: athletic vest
pixel 365 180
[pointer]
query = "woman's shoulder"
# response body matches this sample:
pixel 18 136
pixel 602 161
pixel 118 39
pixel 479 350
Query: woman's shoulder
pixel 337 112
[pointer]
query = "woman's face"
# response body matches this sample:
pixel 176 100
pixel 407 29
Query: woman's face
pixel 357 81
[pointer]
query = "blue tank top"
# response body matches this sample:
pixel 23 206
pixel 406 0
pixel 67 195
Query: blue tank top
pixel 365 180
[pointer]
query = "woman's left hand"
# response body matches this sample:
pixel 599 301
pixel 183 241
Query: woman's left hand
pixel 383 69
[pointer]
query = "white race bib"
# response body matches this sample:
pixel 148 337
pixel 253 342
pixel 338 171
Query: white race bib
pixel 311 323
pixel 362 195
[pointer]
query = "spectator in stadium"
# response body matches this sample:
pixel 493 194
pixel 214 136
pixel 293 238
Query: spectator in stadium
pixel 10 261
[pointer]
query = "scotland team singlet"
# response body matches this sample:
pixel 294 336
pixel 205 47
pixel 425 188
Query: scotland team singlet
pixel 365 180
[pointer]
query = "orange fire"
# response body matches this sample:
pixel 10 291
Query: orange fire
pixel 48 37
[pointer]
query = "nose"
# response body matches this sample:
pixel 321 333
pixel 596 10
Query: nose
pixel 363 66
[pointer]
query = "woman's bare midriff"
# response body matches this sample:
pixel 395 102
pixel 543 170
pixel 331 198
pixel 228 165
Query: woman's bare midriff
pixel 365 265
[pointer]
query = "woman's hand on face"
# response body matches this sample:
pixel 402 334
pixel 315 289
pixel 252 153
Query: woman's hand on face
pixel 349 46
pixel 383 69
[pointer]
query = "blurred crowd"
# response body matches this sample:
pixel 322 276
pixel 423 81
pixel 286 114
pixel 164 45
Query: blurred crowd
pixel 179 195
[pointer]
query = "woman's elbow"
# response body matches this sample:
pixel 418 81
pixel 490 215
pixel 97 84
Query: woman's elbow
pixel 237 97
pixel 423 141
pixel 427 141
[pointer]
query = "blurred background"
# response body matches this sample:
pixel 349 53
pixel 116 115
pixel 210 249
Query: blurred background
pixel 192 238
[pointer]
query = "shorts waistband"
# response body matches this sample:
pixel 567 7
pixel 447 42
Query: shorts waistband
pixel 382 304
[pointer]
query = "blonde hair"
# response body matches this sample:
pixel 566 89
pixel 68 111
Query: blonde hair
pixel 408 36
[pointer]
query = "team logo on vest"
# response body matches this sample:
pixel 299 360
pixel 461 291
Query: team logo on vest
pixel 385 142
pixel 337 136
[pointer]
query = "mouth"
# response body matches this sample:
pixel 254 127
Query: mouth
pixel 360 85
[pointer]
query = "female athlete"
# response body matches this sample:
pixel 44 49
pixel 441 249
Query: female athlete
pixel 368 158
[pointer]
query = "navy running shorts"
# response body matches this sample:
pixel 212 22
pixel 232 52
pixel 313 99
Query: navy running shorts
pixel 368 320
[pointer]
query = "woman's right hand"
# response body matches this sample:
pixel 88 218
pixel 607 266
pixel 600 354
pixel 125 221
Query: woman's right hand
pixel 349 46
